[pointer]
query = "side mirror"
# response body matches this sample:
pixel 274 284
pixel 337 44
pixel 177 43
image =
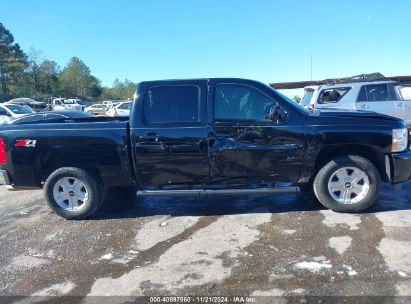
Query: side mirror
pixel 278 114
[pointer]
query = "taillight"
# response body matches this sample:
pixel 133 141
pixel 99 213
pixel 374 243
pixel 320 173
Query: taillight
pixel 3 156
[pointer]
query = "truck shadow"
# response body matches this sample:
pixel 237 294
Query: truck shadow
pixel 215 206
pixel 137 207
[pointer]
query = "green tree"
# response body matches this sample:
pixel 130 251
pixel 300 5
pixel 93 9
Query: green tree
pixel 297 98
pixel 76 80
pixel 121 90
pixel 35 57
pixel 13 63
pixel 48 77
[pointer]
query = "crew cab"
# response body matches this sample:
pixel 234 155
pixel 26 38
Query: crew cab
pixel 208 137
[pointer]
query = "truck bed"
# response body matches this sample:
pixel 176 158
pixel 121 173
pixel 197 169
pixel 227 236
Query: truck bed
pixel 100 144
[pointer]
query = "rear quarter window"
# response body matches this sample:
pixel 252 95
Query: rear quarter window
pixel 332 95
pixel 307 97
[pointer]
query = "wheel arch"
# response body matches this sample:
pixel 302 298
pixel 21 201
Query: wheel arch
pixel 373 154
pixel 79 159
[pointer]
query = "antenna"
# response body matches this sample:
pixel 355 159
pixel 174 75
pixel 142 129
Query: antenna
pixel 311 67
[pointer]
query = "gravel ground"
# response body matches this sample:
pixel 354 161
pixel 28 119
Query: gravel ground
pixel 283 245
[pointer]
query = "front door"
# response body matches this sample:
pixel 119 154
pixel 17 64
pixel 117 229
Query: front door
pixel 246 146
pixel 169 133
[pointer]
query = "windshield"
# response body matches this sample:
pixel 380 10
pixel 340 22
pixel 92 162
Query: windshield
pixel 80 102
pixel 125 106
pixel 66 101
pixel 18 109
pixel 289 100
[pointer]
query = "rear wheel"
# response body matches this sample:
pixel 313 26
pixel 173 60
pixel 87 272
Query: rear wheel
pixel 73 193
pixel 347 184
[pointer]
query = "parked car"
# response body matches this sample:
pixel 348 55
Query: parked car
pixel 36 106
pixel 120 110
pixel 111 102
pixel 208 137
pixel 111 105
pixel 79 102
pixel 49 116
pixel 9 111
pixel 97 109
pixel 385 97
pixel 62 104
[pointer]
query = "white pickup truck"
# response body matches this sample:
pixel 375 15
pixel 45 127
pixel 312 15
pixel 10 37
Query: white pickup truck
pixel 61 104
pixel 386 97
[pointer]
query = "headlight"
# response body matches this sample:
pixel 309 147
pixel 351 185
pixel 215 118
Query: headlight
pixel 399 140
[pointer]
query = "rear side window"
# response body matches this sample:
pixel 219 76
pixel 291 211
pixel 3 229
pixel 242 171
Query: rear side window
pixel 362 96
pixel 375 92
pixel 332 95
pixel 172 104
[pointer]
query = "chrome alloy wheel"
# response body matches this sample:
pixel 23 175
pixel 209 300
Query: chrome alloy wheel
pixel 70 194
pixel 348 185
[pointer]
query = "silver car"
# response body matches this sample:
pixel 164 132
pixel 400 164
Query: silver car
pixel 386 97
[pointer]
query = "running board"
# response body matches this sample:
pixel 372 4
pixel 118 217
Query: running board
pixel 208 192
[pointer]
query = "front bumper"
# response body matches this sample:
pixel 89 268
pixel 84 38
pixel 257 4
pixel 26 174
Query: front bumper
pixel 4 178
pixel 401 166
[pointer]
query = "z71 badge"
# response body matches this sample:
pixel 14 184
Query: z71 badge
pixel 25 143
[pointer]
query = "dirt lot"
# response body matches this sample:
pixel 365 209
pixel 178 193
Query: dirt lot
pixel 280 245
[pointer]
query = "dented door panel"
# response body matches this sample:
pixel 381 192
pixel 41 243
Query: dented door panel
pixel 258 152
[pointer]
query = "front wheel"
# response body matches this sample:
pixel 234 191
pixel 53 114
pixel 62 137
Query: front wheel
pixel 347 184
pixel 73 193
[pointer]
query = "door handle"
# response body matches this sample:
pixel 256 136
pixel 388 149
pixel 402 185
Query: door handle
pixel 364 106
pixel 401 104
pixel 150 136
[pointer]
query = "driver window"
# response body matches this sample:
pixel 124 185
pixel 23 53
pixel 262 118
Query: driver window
pixel 239 102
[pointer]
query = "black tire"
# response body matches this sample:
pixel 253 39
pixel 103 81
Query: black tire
pixel 326 172
pixel 91 184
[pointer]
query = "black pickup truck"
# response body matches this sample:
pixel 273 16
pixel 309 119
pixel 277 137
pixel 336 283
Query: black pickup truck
pixel 207 137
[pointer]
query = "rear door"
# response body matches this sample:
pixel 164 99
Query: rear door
pixel 378 98
pixel 244 145
pixel 169 133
